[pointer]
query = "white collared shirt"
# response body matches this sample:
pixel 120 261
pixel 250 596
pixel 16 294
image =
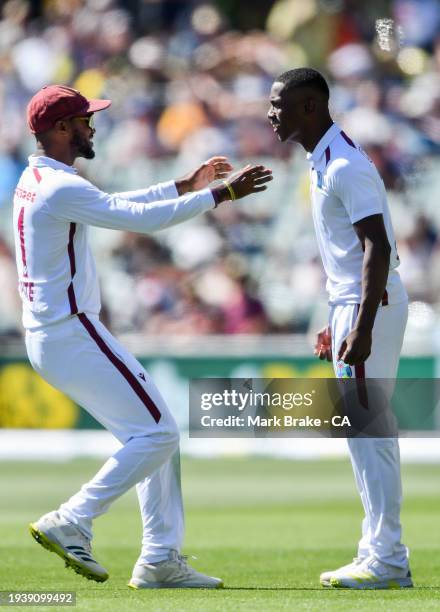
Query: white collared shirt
pixel 53 207
pixel 345 188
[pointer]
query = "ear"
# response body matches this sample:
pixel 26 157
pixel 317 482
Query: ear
pixel 62 126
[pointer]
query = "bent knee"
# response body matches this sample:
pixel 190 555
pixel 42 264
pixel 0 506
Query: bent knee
pixel 168 435
pixel 173 435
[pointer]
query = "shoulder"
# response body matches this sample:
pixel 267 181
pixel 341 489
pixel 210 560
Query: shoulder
pixel 347 167
pixel 59 186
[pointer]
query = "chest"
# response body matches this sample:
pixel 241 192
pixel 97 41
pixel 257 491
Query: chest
pixel 328 209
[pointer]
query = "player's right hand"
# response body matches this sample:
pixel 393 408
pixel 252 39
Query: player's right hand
pixel 250 179
pixel 323 346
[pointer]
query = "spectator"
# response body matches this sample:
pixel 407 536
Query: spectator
pixel 186 86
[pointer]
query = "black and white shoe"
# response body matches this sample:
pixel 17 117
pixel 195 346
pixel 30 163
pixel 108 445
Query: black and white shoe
pixel 67 541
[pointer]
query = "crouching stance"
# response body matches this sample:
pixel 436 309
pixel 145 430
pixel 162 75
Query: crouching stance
pixel 71 349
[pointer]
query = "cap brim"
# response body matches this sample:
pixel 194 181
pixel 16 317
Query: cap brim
pixel 98 105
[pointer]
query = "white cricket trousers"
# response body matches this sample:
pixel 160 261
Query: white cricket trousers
pixel 83 360
pixel 376 461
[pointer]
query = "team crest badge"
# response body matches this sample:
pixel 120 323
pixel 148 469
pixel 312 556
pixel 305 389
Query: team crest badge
pixel 319 179
pixel 343 370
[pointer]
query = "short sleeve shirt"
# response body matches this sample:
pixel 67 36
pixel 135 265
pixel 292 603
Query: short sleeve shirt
pixel 345 188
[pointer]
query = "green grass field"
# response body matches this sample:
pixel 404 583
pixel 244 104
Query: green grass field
pixel 267 527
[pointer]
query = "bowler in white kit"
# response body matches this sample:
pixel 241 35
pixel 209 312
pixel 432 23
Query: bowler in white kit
pixel 368 307
pixel 74 352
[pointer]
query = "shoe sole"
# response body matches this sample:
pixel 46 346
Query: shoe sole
pixel 70 560
pixel 164 585
pixel 397 583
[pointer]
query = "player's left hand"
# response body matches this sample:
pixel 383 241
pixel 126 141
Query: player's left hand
pixel 211 170
pixel 323 345
pixel 356 347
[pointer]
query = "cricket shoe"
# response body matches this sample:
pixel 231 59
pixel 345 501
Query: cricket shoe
pixel 372 574
pixel 173 573
pixel 324 578
pixel 67 541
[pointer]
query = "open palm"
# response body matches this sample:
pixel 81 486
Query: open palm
pixel 211 170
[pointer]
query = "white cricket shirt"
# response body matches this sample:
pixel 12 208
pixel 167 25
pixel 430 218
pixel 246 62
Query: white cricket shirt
pixel 53 206
pixel 345 188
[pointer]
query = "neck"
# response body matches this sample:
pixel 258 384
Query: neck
pixel 311 139
pixel 54 153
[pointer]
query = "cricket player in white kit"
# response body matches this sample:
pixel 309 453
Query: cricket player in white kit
pixel 73 351
pixel 368 307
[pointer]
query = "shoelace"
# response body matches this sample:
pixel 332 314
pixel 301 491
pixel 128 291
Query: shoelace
pixel 182 561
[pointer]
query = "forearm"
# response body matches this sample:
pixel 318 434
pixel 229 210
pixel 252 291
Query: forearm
pixel 168 191
pixel 374 280
pixel 162 191
pixel 93 207
pixel 220 193
pixel 182 186
pixel 166 213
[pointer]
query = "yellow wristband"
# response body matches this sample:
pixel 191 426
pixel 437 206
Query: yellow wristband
pixel 231 191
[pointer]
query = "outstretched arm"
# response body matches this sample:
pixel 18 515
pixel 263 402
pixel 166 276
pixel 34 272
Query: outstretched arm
pixel 211 170
pixel 77 200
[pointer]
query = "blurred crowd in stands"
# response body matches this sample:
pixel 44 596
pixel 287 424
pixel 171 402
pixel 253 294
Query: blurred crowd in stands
pixel 190 80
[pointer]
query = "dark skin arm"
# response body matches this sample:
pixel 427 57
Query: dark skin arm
pixel 372 234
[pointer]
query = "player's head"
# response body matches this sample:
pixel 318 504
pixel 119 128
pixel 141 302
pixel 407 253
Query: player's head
pixel 298 101
pixel 62 118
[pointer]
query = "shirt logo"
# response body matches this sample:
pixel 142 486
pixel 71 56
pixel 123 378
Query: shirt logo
pixel 343 370
pixel 319 181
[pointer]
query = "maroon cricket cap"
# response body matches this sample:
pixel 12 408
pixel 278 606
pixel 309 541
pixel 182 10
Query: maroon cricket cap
pixel 55 102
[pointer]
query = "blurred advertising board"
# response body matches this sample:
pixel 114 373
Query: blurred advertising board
pixel 27 401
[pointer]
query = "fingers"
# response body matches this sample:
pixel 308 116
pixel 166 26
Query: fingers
pixel 222 166
pixel 257 174
pixel 258 177
pixel 323 352
pixel 263 179
pixel 250 179
pixel 342 351
pixel 323 348
pixel 217 159
pixel 353 359
pixel 221 169
pixel 258 171
pixel 251 170
pixel 259 183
